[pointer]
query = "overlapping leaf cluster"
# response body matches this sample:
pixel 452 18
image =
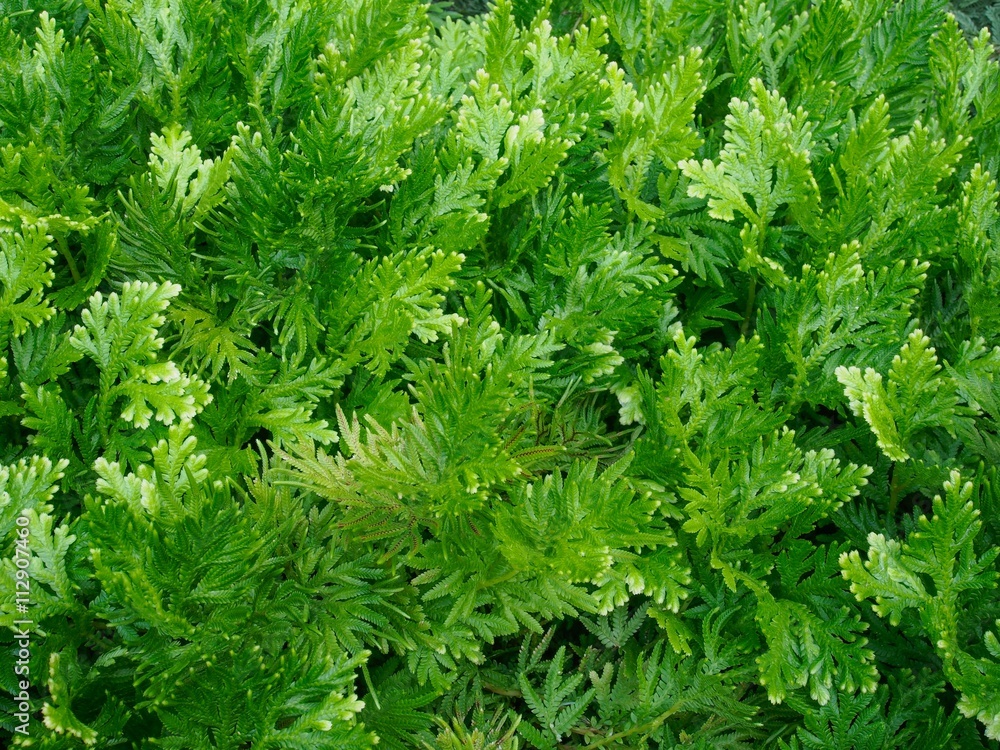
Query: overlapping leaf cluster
pixel 608 374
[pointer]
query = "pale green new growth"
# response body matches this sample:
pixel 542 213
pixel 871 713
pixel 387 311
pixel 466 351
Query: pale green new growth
pixel 939 551
pixel 916 397
pixel 763 166
pixel 121 336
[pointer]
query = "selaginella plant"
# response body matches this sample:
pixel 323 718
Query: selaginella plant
pixel 600 374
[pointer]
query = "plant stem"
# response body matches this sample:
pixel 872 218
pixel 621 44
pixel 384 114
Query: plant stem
pixel 499 579
pixel 64 251
pixel 751 298
pixel 894 489
pixel 649 726
pixel 506 692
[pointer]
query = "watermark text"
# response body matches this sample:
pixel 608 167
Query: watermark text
pixel 22 626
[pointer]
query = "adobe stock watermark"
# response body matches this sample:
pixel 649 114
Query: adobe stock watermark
pixel 22 627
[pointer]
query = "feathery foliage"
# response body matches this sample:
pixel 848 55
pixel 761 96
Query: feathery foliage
pixel 607 374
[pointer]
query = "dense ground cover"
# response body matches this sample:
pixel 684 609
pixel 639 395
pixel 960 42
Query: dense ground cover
pixel 614 374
